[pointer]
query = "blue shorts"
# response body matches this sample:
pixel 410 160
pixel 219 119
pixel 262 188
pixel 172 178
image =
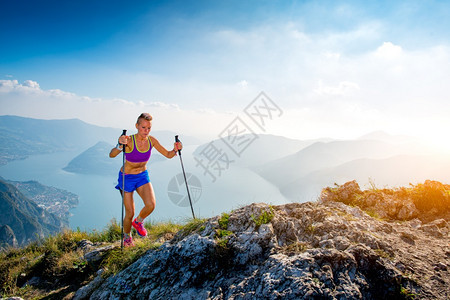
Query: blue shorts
pixel 132 181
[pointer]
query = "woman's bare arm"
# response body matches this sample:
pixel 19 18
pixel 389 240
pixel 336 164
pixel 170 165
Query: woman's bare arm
pixel 122 140
pixel 164 151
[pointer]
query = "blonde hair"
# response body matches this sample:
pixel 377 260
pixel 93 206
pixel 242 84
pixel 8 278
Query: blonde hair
pixel 145 116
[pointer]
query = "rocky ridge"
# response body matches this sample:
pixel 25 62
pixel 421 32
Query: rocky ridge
pixel 323 250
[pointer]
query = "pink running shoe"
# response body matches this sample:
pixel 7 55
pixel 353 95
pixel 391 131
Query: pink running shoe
pixel 128 242
pixel 139 228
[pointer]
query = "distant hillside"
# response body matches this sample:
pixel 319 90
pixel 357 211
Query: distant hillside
pixel 25 218
pixel 388 138
pixel 96 160
pixel 261 149
pixel 327 155
pixel 392 171
pixel 28 136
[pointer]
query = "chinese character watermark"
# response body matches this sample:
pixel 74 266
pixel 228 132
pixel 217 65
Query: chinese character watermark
pixel 237 137
pixel 213 160
pixel 262 108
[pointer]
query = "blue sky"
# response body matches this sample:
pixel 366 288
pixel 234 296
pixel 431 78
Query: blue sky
pixel 343 68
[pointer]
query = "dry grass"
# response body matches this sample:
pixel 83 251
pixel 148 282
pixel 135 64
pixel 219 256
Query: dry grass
pixel 60 264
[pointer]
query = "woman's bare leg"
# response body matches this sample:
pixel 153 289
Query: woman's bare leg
pixel 148 196
pixel 129 211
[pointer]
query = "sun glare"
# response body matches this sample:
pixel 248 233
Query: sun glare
pixel 438 142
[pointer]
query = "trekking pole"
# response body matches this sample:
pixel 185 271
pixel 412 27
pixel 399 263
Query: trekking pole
pixel 185 181
pixel 123 189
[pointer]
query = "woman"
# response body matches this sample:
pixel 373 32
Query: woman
pixel 138 149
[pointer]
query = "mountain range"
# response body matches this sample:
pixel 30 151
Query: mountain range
pixel 272 168
pixel 264 148
pixel 322 155
pixel 28 136
pixel 398 170
pixel 302 175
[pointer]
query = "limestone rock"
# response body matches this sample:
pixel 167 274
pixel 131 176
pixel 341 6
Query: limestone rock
pixel 295 251
pixel 85 291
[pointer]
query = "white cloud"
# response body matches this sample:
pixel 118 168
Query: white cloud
pixel 243 83
pixel 346 92
pixel 13 86
pixel 344 88
pixel 31 84
pixel 7 86
pixel 389 51
pixel 159 104
pixel 331 55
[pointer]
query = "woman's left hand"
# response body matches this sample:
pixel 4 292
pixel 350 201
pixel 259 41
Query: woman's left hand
pixel 177 146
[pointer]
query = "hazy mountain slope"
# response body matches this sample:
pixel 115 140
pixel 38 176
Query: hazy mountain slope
pixel 325 155
pixel 396 170
pixel 28 136
pixel 52 135
pixel 261 149
pixel 27 220
pixel 388 138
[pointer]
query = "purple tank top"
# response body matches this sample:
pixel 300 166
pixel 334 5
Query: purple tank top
pixel 136 155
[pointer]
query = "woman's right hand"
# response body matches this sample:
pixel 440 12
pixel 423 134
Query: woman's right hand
pixel 123 139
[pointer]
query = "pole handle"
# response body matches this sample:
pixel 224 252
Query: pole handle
pixel 124 132
pixel 177 141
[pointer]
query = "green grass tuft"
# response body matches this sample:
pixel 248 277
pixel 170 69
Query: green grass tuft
pixel 221 233
pixel 223 221
pixel 264 218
